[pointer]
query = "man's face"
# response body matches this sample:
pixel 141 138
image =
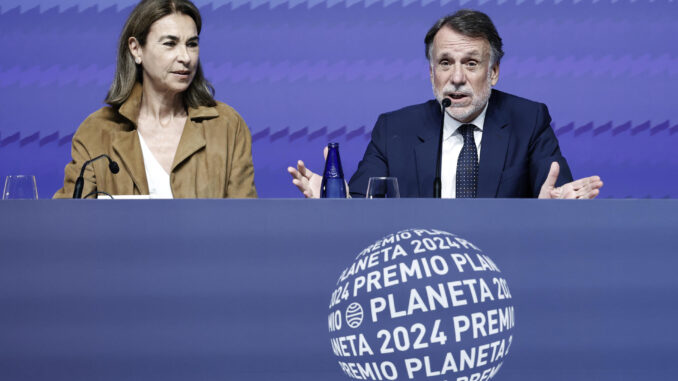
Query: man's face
pixel 460 71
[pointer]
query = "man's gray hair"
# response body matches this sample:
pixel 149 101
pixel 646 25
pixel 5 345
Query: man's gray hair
pixel 470 23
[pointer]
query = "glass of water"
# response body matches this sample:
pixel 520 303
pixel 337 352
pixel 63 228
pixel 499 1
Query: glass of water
pixel 382 187
pixel 20 187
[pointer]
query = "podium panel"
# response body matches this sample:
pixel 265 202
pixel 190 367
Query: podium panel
pixel 239 289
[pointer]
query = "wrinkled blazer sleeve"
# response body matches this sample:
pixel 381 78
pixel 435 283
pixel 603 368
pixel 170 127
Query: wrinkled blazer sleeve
pixel 240 182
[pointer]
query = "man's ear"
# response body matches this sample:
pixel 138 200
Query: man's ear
pixel 494 74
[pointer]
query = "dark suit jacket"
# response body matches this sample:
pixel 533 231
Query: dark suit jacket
pixel 517 148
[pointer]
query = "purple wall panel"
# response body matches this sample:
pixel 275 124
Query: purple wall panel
pixel 305 72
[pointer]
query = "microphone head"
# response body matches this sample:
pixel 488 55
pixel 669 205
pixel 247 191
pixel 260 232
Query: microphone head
pixel 113 166
pixel 446 102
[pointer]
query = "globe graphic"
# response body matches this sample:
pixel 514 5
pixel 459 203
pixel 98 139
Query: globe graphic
pixel 421 304
pixel 354 315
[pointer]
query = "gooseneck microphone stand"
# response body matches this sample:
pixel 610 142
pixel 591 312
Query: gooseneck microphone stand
pixel 80 181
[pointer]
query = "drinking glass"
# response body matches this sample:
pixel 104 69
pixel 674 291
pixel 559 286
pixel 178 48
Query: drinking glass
pixel 382 187
pixel 20 187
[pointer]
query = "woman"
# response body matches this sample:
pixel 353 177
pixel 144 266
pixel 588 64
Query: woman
pixel 163 127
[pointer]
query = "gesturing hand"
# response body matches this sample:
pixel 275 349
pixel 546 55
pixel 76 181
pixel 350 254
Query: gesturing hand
pixel 584 188
pixel 306 180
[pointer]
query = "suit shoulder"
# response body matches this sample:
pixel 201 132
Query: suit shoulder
pixel 403 119
pixel 412 111
pixel 514 100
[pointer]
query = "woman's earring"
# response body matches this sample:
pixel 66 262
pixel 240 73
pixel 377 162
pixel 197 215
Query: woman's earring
pixel 137 60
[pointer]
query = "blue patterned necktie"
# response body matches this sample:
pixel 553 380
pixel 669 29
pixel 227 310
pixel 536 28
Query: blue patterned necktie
pixel 467 165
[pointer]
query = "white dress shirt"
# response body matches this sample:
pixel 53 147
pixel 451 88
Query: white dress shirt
pixel 158 180
pixel 453 142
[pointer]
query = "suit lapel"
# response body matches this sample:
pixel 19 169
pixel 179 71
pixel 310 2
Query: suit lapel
pixel 426 149
pixel 494 147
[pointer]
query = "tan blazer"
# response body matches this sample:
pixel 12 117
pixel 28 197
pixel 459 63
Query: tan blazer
pixel 213 159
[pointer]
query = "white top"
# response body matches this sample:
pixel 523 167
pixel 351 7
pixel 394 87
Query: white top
pixel 158 180
pixel 453 142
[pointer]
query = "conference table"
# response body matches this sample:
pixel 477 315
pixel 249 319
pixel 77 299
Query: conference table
pixel 240 289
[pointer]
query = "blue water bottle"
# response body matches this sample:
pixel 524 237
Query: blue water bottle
pixel 333 185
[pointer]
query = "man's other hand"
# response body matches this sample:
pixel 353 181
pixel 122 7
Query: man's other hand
pixel 585 188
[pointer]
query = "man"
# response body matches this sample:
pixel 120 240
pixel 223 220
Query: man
pixel 494 144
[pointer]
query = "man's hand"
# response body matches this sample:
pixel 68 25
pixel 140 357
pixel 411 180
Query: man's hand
pixel 585 188
pixel 305 180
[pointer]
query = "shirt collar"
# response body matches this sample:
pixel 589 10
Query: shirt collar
pixel 451 124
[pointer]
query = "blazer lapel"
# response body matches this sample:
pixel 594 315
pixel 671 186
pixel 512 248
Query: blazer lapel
pixel 126 145
pixel 426 150
pixel 193 137
pixel 493 151
pixel 126 142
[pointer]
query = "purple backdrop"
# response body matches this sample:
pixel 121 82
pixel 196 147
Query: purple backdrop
pixel 303 73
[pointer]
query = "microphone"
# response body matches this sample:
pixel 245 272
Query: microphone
pixel 436 183
pixel 80 181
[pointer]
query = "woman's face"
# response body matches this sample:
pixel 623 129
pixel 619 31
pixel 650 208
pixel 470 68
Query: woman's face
pixel 170 57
